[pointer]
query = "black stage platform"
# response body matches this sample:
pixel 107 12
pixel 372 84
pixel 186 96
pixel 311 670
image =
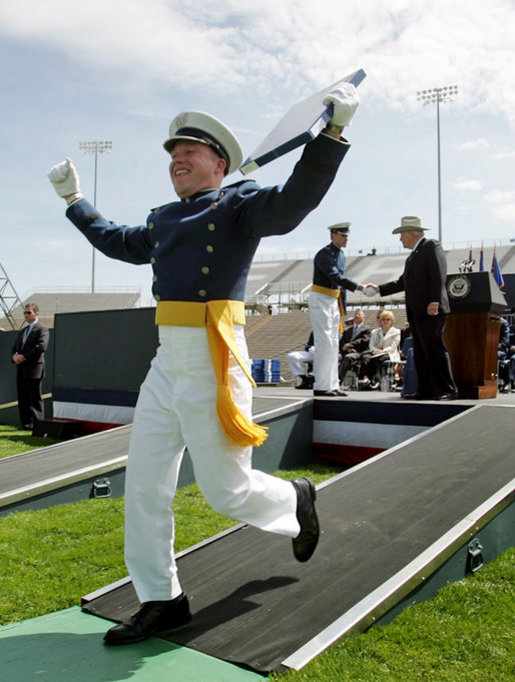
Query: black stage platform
pixel 387 524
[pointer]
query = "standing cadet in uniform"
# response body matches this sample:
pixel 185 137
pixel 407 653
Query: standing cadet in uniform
pixel 198 391
pixel 326 305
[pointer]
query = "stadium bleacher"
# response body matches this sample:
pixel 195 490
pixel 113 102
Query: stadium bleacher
pixel 51 303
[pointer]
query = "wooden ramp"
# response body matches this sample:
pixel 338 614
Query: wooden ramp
pixel 388 524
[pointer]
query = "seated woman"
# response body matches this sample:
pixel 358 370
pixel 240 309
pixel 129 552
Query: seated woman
pixel 384 347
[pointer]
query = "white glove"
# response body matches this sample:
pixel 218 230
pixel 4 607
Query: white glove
pixel 370 290
pixel 345 100
pixel 65 179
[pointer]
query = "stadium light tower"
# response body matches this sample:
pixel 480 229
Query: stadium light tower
pixel 438 95
pixel 95 147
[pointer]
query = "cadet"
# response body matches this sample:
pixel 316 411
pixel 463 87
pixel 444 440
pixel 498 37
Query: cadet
pixel 326 306
pixel 198 391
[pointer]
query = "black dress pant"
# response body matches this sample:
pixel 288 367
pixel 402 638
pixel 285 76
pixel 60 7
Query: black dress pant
pixel 30 400
pixel 348 361
pixel 431 357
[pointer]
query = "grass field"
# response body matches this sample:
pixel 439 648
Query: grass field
pixel 14 441
pixel 50 558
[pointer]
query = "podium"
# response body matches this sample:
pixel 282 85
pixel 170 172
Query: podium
pixel 472 332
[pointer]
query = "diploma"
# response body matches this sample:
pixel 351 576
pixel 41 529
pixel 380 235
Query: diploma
pixel 299 125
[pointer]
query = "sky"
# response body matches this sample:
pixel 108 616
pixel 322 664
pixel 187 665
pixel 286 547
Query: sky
pixel 121 70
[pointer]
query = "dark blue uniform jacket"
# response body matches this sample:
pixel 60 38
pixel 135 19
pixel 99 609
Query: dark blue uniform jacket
pixel 201 247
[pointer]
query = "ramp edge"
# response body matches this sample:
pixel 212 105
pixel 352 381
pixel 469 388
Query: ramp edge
pixel 41 487
pixel 367 611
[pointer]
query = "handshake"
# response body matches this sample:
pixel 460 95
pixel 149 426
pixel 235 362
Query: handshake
pixel 370 289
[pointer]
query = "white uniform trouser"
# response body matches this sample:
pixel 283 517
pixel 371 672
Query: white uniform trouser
pixel 297 359
pixel 325 322
pixel 177 408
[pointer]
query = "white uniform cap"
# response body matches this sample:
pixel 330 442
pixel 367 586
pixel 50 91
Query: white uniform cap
pixel 200 127
pixel 342 228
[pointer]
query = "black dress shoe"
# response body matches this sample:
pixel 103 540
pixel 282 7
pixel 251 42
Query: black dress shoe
pixel 306 541
pixel 416 396
pixel 152 617
pixel 332 393
pixel 446 396
pixel 305 382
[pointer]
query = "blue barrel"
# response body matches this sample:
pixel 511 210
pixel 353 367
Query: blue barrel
pixel 258 371
pixel 266 371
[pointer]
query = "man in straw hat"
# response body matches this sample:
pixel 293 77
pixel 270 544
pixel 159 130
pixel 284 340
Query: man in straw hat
pixel 198 391
pixel 423 281
pixel 326 306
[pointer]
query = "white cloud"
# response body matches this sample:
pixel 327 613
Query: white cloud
pixel 266 47
pixel 473 144
pixel 502 156
pixel 119 70
pixel 468 185
pixel 501 204
pixel 504 212
pixel 465 207
pixel 496 196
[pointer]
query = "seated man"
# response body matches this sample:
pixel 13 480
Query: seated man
pixel 384 348
pixel 354 340
pixel 297 360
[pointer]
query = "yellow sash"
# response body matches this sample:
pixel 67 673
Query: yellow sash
pixel 334 293
pixel 218 317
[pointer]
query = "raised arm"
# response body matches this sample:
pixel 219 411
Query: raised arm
pixel 129 244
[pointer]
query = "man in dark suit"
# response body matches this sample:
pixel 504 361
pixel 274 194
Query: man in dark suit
pixel 29 355
pixel 427 304
pixel 354 341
